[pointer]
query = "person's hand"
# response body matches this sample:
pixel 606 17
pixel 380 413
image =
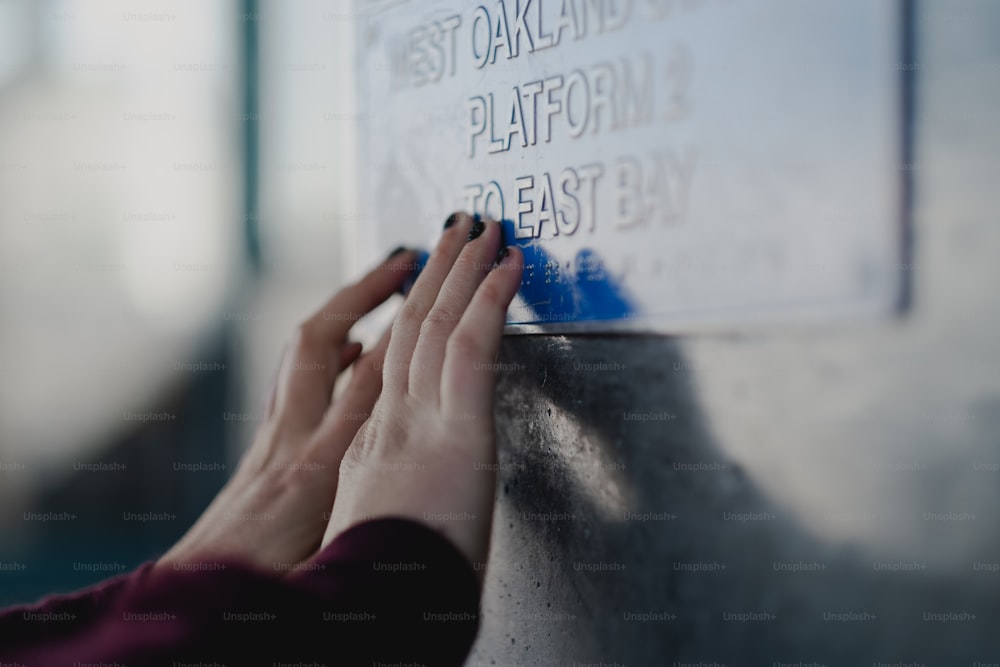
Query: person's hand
pixel 273 511
pixel 439 399
pixel 427 452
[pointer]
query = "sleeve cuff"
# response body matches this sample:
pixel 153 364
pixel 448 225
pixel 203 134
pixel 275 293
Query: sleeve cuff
pixel 415 576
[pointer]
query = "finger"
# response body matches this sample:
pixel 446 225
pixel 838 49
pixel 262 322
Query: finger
pixel 346 415
pixel 313 362
pixel 349 353
pixel 366 383
pixel 406 328
pixel 472 265
pixel 468 377
pixel 272 391
pixel 350 304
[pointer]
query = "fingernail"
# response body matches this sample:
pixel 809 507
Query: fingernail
pixel 477 229
pixel 395 252
pixel 504 251
pixel 452 219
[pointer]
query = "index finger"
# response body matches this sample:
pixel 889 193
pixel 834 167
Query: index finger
pixel 314 360
pixel 334 320
pixel 468 378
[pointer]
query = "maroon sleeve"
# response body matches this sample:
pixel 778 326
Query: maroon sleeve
pixel 389 590
pixel 57 617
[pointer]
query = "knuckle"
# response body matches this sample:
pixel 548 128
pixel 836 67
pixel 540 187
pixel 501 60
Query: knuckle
pixel 439 318
pixel 490 295
pixel 465 345
pixel 430 328
pixel 354 457
pixel 378 440
pixel 360 448
pixel 466 260
pixel 410 316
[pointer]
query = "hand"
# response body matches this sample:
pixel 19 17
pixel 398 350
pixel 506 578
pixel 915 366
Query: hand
pixel 427 452
pixel 273 511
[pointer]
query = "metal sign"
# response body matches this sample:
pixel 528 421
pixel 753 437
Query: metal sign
pixel 666 165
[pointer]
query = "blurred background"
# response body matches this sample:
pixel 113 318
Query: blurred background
pixel 150 266
pixel 175 195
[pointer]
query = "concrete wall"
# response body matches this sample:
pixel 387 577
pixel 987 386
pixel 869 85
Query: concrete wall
pixel 865 457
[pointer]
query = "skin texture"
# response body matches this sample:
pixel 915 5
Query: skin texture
pixel 411 434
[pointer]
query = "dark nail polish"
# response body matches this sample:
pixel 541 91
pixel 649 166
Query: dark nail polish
pixel 477 229
pixel 395 252
pixel 452 219
pixel 504 251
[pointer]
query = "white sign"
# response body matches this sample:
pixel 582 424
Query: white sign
pixel 666 165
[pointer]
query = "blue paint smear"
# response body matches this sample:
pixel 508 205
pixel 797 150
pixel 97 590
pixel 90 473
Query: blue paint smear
pixel 583 291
